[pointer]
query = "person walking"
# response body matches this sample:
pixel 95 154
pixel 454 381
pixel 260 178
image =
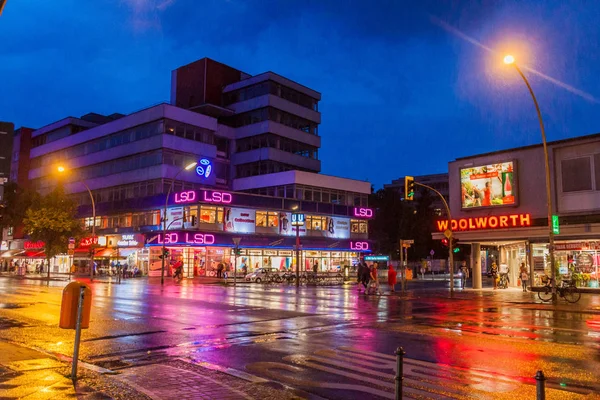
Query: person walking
pixel 365 276
pixel 373 278
pixel 392 278
pixel 220 270
pixel 464 273
pixel 524 277
pixel 494 273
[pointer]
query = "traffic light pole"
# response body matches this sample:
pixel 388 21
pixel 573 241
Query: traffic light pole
pixel 450 239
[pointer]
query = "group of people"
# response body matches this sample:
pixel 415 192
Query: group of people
pixel 26 266
pixel 523 275
pixel 368 277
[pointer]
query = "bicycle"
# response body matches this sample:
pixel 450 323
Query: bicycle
pixel 567 290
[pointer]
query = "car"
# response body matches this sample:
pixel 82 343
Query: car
pixel 260 275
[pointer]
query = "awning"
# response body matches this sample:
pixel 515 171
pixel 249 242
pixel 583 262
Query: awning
pixel 12 253
pixel 34 254
pixel 104 252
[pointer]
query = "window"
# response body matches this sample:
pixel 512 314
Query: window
pixel 211 215
pixel 316 223
pixel 576 174
pixel 358 226
pixel 267 219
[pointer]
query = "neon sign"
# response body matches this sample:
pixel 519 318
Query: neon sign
pixel 185 197
pixel 217 197
pixel 359 246
pixel 204 168
pixel 87 242
pixel 363 212
pixel 129 240
pixel 186 238
pixel 487 222
pixel 34 245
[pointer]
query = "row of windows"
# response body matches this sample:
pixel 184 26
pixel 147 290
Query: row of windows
pixel 316 194
pixel 124 137
pixel 273 114
pixel 134 190
pixel 205 214
pixel 56 134
pixel 274 88
pixel 264 167
pixel 277 142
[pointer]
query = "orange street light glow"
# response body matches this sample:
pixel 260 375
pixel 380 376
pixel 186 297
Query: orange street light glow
pixel 61 168
pixel 508 59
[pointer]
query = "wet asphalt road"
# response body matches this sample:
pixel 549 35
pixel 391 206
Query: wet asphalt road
pixel 328 341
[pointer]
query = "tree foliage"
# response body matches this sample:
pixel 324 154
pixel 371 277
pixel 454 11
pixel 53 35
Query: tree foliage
pixel 396 219
pixel 15 204
pixel 52 220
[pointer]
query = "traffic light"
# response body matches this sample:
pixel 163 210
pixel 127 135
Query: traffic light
pixel 238 251
pixel 164 255
pixel 409 188
pixel 455 248
pixel 445 242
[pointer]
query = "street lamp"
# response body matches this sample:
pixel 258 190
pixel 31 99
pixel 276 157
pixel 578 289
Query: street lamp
pixel 61 169
pixel 510 60
pixel 162 267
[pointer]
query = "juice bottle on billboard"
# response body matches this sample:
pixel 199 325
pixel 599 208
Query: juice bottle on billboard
pixel 507 185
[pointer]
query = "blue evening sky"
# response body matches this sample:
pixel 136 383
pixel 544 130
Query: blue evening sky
pixel 402 92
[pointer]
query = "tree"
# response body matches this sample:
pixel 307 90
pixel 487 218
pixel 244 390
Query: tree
pixel 53 221
pixel 14 205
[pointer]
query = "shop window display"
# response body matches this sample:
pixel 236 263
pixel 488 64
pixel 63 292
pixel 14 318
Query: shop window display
pixel 579 261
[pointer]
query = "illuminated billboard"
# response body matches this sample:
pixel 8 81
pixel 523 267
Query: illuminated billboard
pixel 492 185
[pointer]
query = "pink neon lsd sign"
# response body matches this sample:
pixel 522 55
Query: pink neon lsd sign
pixel 363 212
pixel 187 238
pixel 359 246
pixel 208 196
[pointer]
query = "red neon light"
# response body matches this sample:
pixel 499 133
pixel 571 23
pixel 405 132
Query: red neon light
pixel 185 197
pixel 87 242
pixel 363 212
pixel 217 197
pixel 34 245
pixel 488 222
pixel 187 238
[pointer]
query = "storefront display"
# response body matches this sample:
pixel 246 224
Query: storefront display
pixel 576 260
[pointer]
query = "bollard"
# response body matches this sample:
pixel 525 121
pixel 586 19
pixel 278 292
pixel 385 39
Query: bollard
pixel 399 372
pixel 540 386
pixel 77 334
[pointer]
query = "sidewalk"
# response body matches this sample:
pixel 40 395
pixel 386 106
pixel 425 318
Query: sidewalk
pixel 31 374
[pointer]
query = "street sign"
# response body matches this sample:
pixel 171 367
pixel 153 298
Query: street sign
pixel 297 219
pixel 236 240
pixel 71 252
pixel 71 240
pixel 377 258
pixel 431 253
pixel 409 241
pixel 406 245
pixel 448 233
pixel 71 246
pixel 555 225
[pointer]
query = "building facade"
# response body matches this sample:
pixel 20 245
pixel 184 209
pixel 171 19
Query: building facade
pixel 499 205
pixel 255 140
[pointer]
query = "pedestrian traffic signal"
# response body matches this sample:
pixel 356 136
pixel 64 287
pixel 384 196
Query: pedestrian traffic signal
pixel 165 254
pixel 409 188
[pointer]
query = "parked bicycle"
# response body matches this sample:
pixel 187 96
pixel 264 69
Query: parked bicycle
pixel 567 290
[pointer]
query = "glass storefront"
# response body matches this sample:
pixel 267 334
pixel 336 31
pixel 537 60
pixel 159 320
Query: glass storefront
pixel 576 260
pixel 203 261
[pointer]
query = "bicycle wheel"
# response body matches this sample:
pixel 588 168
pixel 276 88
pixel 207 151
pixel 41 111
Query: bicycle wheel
pixel 571 294
pixel 545 294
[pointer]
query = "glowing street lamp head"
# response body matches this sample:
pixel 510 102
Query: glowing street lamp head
pixel 191 165
pixel 60 168
pixel 508 59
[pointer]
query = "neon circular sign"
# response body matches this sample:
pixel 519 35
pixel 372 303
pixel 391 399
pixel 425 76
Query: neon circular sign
pixel 204 168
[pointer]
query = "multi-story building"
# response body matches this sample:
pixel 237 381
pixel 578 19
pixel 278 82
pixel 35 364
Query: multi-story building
pixel 437 181
pixel 499 206
pixel 256 142
pixel 6 141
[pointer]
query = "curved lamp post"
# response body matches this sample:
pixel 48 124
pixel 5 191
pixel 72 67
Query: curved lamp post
pixel 61 169
pixel 164 218
pixel 510 60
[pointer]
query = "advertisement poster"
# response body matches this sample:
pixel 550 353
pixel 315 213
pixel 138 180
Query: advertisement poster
pixel 336 228
pixel 488 185
pixel 239 220
pixel 175 218
pixel 285 225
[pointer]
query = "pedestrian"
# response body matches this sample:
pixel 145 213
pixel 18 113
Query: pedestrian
pixel 392 278
pixel 374 279
pixel 359 272
pixel 464 273
pixel 365 276
pixel 220 267
pixel 315 268
pixel 524 277
pixel 494 273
